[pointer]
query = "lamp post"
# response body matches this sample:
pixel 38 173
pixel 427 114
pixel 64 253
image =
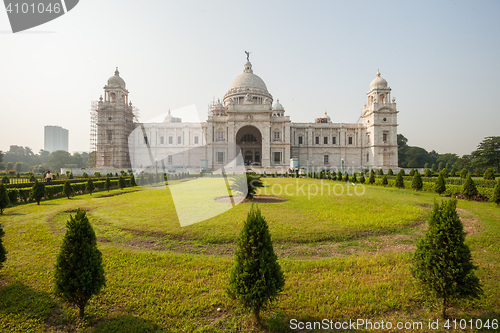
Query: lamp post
pixel 156 169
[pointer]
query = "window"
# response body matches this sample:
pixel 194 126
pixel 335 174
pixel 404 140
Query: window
pixel 350 140
pixel 220 157
pixel 110 135
pixel 368 157
pixel 300 140
pixel 169 159
pixel 249 138
pixel 145 140
pixel 220 136
pixel 334 140
pixel 170 140
pixel 196 140
pixel 162 140
pixel 179 140
pixel 277 157
pixel 317 140
pixel 325 159
pixel 384 137
pixel 325 140
pixel 276 136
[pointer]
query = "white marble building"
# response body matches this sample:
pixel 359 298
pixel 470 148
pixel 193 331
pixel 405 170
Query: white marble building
pixel 248 121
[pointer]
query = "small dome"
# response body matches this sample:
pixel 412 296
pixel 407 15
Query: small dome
pixel 378 82
pixel 277 106
pixel 116 80
pixel 218 105
pixel 168 118
pixel 248 80
pixel 327 117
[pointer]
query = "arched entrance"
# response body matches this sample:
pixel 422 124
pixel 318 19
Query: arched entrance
pixel 249 140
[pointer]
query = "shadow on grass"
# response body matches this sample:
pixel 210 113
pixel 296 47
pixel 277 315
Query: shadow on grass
pixel 24 303
pixel 126 324
pixel 11 214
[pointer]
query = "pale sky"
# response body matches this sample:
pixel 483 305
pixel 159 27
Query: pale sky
pixel 441 59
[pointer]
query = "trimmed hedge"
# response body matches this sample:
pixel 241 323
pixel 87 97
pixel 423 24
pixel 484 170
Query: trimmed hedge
pixel 56 191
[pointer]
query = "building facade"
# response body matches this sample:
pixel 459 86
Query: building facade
pixel 55 138
pixel 248 123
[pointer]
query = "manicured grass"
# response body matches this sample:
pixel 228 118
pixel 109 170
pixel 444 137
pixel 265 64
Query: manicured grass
pixel 156 281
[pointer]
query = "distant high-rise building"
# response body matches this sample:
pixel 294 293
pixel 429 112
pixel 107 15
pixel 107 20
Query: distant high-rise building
pixel 56 138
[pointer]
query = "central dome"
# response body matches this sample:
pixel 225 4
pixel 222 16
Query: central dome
pixel 248 88
pixel 248 79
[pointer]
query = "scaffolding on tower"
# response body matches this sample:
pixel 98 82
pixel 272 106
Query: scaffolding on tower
pixel 93 134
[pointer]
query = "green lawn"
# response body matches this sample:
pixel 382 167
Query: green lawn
pixel 344 257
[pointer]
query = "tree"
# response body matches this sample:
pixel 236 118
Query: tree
pixel 4 198
pixel 256 277
pixel 427 173
pixel 399 180
pixel 37 191
pixel 434 167
pixel 453 172
pixel 416 182
pixel 390 172
pixel 416 157
pixel 496 193
pixel 107 183
pixel 132 180
pixel 5 180
pixel 79 273
pixel 464 173
pixel 354 178
pixel 442 261
pixel 412 173
pixel 440 166
pixel 362 179
pixel 19 167
pixel 384 180
pixel 247 183
pixel 59 159
pixel 380 172
pixel 487 153
pixel 440 186
pixel 339 175
pixel 3 252
pixel 90 187
pixel 489 174
pixel 121 182
pixel 464 162
pixel 371 180
pixel 67 189
pixel 10 165
pixel 445 173
pixel 469 188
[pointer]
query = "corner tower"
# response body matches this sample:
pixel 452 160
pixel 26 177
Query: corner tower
pixel 380 119
pixel 115 121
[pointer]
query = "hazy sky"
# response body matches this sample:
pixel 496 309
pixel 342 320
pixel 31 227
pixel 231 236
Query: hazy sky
pixel 441 59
